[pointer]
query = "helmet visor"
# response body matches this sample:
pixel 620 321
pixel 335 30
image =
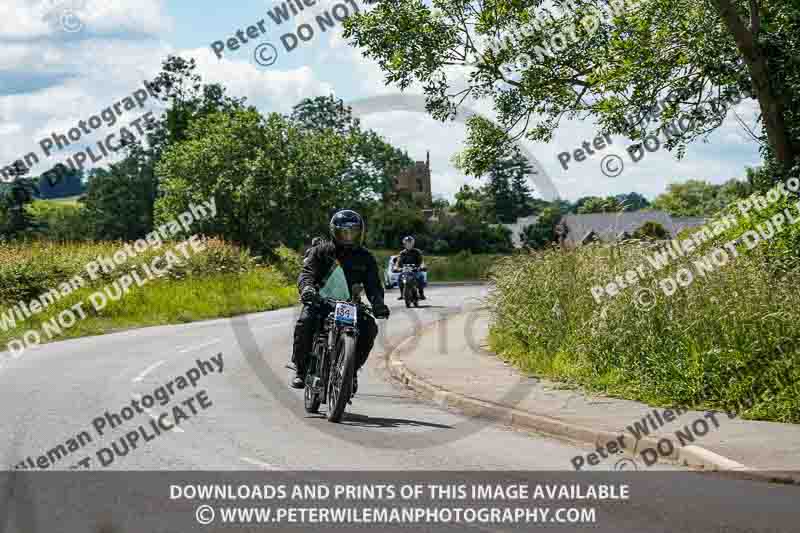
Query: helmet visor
pixel 348 236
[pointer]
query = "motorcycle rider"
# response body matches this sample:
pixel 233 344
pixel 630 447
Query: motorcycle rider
pixel 359 266
pixel 410 256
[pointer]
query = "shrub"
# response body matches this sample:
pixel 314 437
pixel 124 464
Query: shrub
pixel 543 232
pixel 651 230
pixel 289 263
pixel 27 271
pixel 60 221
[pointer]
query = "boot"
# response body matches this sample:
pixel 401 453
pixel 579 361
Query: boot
pixel 421 294
pixel 299 381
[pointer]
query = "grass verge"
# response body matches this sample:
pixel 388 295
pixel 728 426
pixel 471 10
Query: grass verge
pixel 221 281
pixel 729 341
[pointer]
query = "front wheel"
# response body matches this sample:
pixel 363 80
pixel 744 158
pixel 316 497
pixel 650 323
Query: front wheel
pixel 408 294
pixel 341 379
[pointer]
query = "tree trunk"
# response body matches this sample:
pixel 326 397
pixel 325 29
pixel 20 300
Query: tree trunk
pixel 771 102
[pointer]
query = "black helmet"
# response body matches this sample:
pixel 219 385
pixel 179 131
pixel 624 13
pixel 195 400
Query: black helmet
pixel 347 228
pixel 408 238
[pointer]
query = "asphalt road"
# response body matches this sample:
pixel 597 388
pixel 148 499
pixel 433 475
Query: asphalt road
pixel 54 392
pixel 248 419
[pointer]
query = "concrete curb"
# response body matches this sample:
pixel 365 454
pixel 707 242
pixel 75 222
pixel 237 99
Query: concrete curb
pixel 690 455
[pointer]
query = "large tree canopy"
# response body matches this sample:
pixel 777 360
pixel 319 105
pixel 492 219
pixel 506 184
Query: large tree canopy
pixel 540 65
pixel 373 161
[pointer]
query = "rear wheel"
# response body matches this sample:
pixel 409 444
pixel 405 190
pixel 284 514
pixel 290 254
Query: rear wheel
pixel 341 378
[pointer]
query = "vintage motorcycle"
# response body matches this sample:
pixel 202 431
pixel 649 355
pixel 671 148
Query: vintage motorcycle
pixel 332 361
pixel 410 284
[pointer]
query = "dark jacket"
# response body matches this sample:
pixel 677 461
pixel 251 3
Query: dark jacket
pixel 358 264
pixel 409 257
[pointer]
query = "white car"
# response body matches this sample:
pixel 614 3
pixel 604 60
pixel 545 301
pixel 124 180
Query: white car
pixel 390 279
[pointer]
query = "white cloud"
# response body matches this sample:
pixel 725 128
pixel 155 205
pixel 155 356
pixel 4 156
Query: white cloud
pixel 30 20
pixel 269 89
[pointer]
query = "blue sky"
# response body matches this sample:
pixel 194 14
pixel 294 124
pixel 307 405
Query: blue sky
pixel 51 78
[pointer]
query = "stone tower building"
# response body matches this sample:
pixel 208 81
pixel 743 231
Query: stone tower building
pixel 416 181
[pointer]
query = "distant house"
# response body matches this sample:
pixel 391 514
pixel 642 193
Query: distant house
pixel 607 227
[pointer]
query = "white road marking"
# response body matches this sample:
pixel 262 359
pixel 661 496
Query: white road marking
pixel 147 370
pixel 138 397
pixel 259 463
pixel 192 348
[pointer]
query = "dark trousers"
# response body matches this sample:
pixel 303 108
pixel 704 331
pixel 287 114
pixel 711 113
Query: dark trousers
pixel 307 324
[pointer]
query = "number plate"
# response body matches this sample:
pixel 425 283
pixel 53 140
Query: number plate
pixel 345 314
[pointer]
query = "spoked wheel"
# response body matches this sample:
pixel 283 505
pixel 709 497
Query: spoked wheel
pixel 341 378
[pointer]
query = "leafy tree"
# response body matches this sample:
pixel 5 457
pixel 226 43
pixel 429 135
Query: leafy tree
pixel 15 221
pixel 595 204
pixel 325 112
pixel 374 162
pixel 440 203
pixel 119 200
pixel 470 201
pixel 543 232
pixel 188 98
pixel 520 186
pixel 387 227
pixel 690 53
pixel 506 195
pixel 632 201
pixel 690 198
pixel 499 194
pixel 272 181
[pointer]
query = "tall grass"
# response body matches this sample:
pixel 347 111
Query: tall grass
pixel 729 340
pixel 220 281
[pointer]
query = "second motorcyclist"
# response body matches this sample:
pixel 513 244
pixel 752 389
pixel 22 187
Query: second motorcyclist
pixel 410 256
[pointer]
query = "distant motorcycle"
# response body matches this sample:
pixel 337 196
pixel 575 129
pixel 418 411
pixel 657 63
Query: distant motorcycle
pixel 332 362
pixel 410 283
